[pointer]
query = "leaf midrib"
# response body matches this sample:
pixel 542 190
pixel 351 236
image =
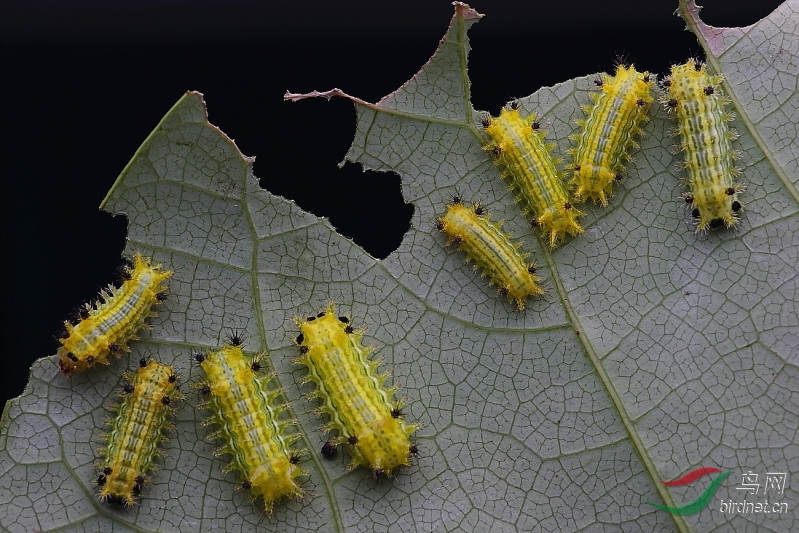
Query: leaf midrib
pixel 601 372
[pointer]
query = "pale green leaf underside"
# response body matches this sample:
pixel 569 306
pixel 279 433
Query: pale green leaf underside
pixel 657 351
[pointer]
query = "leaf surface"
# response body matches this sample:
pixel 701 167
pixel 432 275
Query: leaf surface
pixel 656 352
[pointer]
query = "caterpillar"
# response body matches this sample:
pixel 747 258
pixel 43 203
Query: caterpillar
pixel 246 410
pixel 360 408
pixel 114 319
pixel 525 159
pixel 609 131
pixel 491 250
pixel 695 97
pixel 137 430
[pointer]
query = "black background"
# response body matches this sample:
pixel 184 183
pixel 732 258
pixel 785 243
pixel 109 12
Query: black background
pixel 84 83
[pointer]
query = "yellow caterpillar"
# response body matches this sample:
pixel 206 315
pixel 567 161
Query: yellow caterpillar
pixel 696 99
pixel 609 131
pixel 525 159
pixel 484 242
pixel 114 320
pixel 147 400
pixel 360 408
pixel 247 414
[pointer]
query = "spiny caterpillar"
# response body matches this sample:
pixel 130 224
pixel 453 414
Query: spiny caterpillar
pixel 247 413
pixel 608 132
pixel 360 408
pixel 524 158
pixel 114 320
pixel 696 98
pixel 147 399
pixel 491 250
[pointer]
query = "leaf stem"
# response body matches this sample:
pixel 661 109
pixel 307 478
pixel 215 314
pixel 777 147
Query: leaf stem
pixel 615 398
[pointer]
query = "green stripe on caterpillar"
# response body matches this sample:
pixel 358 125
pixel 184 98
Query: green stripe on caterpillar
pixel 518 147
pixel 247 412
pixel 114 320
pixel 484 242
pixel 609 131
pixel 696 99
pixel 147 400
pixel 353 395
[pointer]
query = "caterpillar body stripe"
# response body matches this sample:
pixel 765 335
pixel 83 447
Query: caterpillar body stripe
pixel 609 131
pixel 525 159
pixel 353 395
pixel 696 99
pixel 114 319
pixel 147 400
pixel 492 251
pixel 247 412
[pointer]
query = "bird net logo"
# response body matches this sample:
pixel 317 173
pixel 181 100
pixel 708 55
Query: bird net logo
pixel 703 500
pixel 774 485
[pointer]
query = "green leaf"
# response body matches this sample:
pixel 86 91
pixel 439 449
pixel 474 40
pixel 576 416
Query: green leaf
pixel 657 351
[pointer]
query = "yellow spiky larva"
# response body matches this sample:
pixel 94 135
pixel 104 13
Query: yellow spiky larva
pixel 114 319
pixel 525 160
pixel 608 132
pixel 361 409
pixel 247 412
pixel 696 99
pixel 142 417
pixel 491 249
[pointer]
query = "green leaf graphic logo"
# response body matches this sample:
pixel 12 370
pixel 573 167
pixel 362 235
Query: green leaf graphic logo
pixel 703 500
